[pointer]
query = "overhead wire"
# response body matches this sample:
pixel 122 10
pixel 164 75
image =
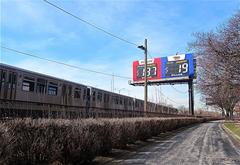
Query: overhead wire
pixel 62 63
pixel 178 90
pixel 74 66
pixel 90 24
pixel 167 97
pixel 149 54
pixel 86 22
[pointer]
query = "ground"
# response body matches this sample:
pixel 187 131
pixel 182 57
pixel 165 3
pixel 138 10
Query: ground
pixel 201 144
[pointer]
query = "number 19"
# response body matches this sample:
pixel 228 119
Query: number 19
pixel 183 68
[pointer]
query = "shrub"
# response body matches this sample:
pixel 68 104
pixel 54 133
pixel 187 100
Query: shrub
pixel 56 141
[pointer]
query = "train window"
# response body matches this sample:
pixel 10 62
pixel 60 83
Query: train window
pixel 129 103
pixel 28 84
pixel 94 96
pixel 120 101
pixel 25 86
pixel 99 96
pixel 41 85
pixel 3 78
pixel 52 89
pixel 64 90
pixel 106 98
pixel 84 94
pixel 116 99
pixel 136 104
pixel 113 100
pixel 125 101
pixel 77 93
pixel 9 80
pixel 14 80
pixel 70 91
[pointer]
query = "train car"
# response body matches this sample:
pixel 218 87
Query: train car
pixel 25 93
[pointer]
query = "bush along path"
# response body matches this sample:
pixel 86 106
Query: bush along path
pixel 45 141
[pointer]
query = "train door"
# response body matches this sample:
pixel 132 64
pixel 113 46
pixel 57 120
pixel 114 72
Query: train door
pixel 133 104
pixel 3 82
pixel 8 84
pixel 69 95
pixel 88 101
pixel 11 93
pixel 125 103
pixel 64 94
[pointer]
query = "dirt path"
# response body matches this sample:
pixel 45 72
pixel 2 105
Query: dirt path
pixel 202 144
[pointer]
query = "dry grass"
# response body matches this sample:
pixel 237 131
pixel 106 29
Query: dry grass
pixel 44 141
pixel 234 127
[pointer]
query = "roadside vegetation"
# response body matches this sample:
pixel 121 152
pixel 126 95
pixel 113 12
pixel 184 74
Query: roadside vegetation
pixel 59 141
pixel 234 127
pixel 218 69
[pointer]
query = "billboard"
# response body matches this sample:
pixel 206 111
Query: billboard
pixel 153 69
pixel 177 67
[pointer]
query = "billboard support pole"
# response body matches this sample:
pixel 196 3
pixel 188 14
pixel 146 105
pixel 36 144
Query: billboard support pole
pixel 190 97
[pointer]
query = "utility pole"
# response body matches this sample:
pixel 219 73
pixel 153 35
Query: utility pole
pixel 145 79
pixel 145 76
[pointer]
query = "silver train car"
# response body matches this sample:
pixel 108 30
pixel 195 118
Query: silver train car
pixel 25 93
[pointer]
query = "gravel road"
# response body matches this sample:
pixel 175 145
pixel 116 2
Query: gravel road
pixel 201 144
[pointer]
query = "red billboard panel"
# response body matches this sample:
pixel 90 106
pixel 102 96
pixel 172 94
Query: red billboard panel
pixel 154 69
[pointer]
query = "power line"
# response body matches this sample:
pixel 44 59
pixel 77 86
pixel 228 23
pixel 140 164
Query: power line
pixel 167 97
pixel 61 63
pixel 91 24
pixel 177 90
pixel 149 54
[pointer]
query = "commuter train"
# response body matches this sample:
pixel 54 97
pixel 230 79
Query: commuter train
pixel 25 93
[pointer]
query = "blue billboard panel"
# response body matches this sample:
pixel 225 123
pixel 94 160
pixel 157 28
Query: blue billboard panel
pixel 177 66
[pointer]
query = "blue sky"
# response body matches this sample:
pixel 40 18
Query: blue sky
pixel 35 27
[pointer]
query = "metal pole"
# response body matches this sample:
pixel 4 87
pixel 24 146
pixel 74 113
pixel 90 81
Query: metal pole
pixel 145 79
pixel 191 99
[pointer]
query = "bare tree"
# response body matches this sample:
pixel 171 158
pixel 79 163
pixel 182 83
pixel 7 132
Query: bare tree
pixel 218 58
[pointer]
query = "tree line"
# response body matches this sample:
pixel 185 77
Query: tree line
pixel 218 65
